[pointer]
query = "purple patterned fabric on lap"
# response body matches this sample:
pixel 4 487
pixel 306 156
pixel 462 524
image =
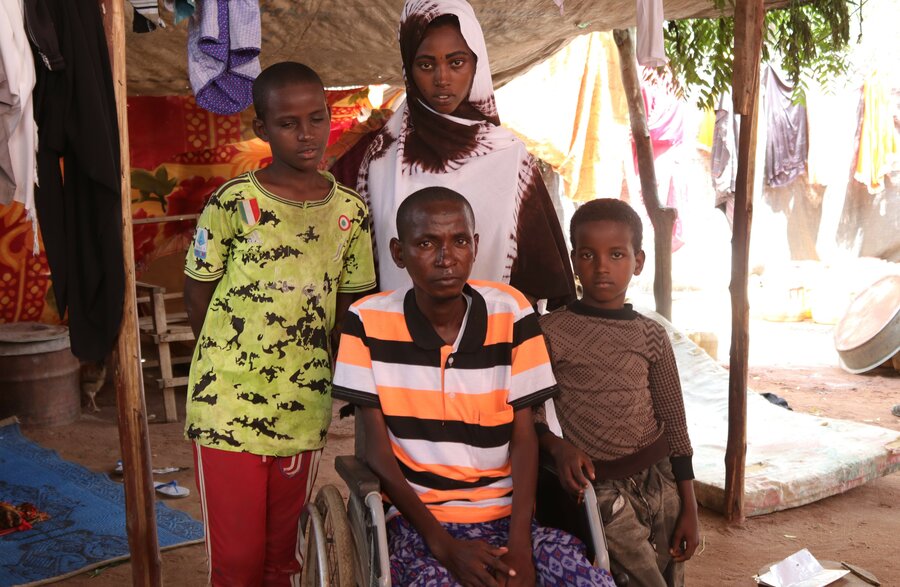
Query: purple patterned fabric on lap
pixel 559 557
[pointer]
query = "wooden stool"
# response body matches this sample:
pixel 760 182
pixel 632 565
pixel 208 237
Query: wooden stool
pixel 162 328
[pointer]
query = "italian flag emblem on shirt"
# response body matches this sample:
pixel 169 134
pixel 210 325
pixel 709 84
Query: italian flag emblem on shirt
pixel 249 211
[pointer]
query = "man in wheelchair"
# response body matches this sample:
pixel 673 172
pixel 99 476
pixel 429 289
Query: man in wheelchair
pixel 445 375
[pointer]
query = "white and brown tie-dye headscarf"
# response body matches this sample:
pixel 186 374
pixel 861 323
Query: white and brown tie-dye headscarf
pixel 520 239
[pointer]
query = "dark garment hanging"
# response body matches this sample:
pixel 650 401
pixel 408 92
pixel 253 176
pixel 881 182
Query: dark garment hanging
pixel 786 136
pixel 42 34
pixel 80 209
pixel 142 24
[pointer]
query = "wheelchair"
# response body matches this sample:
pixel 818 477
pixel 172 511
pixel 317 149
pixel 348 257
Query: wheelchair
pixel 347 546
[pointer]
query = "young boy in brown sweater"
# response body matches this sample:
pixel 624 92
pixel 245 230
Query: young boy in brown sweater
pixel 620 405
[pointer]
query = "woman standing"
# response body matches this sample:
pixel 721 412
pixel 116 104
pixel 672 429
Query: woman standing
pixel 448 134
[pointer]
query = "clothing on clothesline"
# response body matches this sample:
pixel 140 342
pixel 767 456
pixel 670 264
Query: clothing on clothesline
pixel 224 38
pixel 183 9
pixel 650 46
pixel 879 146
pixel 42 34
pixel 80 214
pixel 833 119
pixel 582 86
pixel 786 135
pixel 665 122
pixel 146 16
pixel 18 131
pixel 665 116
pixel 723 166
pixel 140 24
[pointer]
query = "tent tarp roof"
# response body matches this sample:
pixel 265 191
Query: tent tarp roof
pixel 354 42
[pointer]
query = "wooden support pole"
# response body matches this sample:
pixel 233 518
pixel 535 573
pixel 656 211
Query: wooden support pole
pixel 134 439
pixel 748 35
pixel 662 218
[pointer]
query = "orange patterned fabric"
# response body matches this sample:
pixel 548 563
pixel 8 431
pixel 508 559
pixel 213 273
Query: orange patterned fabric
pixel 182 187
pixel 180 154
pixel 163 126
pixel 24 278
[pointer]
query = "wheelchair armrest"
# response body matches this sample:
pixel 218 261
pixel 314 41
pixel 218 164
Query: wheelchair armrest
pixel 357 475
pixel 595 524
pixel 591 523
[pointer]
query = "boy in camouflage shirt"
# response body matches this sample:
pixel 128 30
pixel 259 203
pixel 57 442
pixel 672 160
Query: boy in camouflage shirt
pixel 278 256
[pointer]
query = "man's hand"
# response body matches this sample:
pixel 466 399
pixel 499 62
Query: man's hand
pixel 686 537
pixel 468 561
pixel 522 562
pixel 574 467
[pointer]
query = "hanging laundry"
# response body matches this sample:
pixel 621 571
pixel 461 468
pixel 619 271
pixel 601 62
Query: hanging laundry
pixel 42 34
pixel 140 24
pixel 878 142
pixel 786 136
pixel 223 54
pixel 833 118
pixel 651 48
pixel 80 212
pixel 723 164
pixel 664 112
pixel 581 85
pixel 705 128
pixel 146 16
pixel 183 9
pixel 18 132
pixel 665 121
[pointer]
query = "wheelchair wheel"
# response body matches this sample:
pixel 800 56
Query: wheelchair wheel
pixel 369 534
pixel 315 557
pixel 339 546
pixel 329 558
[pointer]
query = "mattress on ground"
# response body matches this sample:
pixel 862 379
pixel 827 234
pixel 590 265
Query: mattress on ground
pixel 792 458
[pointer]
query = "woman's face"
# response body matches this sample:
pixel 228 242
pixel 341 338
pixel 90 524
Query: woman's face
pixel 443 68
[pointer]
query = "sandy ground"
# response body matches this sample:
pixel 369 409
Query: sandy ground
pixel 795 361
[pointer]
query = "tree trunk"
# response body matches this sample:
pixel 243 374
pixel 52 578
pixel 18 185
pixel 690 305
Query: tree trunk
pixel 748 31
pixel 134 439
pixel 662 218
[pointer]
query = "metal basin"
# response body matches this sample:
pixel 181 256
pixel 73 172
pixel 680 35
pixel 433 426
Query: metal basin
pixel 869 333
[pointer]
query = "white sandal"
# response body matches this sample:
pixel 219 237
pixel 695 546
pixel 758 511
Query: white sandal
pixel 172 489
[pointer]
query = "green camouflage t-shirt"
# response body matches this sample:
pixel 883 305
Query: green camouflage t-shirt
pixel 260 378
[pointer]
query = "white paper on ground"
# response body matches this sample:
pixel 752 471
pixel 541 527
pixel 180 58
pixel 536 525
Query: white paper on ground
pixel 801 569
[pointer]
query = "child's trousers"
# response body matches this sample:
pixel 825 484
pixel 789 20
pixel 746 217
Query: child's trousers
pixel 639 515
pixel 251 511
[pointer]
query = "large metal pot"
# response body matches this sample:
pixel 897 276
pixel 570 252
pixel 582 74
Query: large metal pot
pixel 869 333
pixel 39 376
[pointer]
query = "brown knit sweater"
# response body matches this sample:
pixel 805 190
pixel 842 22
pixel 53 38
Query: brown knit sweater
pixel 619 385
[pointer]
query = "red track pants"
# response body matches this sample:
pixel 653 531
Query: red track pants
pixel 251 511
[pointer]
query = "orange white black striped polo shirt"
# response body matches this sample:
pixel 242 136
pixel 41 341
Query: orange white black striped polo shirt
pixel 448 408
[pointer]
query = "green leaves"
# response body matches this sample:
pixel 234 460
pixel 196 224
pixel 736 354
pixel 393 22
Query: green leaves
pixel 153 187
pixel 803 38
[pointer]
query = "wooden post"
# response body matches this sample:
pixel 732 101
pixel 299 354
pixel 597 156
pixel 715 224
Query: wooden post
pixel 134 439
pixel 662 218
pixel 748 34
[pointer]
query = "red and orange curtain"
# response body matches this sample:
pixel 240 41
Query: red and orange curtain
pixel 180 154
